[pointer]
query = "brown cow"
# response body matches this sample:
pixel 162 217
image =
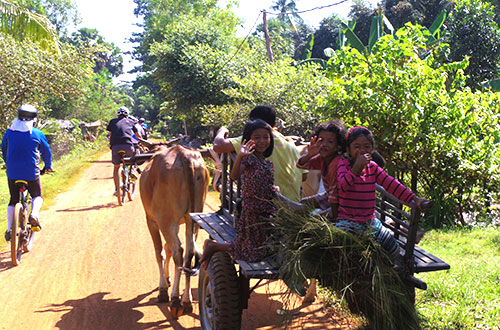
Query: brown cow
pixel 174 183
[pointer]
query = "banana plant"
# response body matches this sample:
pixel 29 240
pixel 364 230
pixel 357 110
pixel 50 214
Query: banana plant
pixel 22 24
pixel 378 28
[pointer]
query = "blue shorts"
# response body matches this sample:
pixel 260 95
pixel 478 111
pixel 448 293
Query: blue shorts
pixel 116 158
pixel 381 234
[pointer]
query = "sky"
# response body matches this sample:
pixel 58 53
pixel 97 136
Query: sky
pixel 115 20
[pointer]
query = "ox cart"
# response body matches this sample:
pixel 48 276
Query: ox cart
pixel 224 287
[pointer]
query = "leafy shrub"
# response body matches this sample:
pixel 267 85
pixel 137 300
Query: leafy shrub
pixel 424 121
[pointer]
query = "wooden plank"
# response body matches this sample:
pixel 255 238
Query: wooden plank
pixel 424 261
pixel 216 226
pixel 220 230
pixel 393 207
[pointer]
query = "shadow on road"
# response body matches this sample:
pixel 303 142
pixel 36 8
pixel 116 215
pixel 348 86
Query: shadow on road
pixel 97 312
pixel 91 208
pixel 5 262
pixel 99 161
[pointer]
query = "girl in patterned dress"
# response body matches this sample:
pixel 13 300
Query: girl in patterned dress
pixel 257 177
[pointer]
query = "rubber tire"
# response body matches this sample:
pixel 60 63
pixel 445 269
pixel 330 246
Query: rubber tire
pixel 15 241
pixel 219 294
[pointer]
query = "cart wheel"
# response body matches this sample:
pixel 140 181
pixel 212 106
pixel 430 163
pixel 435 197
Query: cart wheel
pixel 219 294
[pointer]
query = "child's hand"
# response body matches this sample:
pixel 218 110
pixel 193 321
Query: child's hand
pixel 419 201
pixel 360 163
pixel 314 146
pixel 247 148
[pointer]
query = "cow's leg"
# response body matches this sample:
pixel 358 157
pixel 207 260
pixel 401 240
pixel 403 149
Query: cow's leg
pixel 176 250
pixel 186 300
pixel 164 282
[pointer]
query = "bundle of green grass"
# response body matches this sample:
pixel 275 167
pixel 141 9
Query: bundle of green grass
pixel 353 265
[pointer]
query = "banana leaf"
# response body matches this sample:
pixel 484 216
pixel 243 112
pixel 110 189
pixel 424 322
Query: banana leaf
pixel 353 39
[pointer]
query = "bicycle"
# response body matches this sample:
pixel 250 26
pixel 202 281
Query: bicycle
pixel 127 181
pixel 22 235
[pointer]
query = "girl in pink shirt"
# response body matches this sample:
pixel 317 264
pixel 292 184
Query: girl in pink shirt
pixel 357 176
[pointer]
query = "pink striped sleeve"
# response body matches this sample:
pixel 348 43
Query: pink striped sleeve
pixel 393 186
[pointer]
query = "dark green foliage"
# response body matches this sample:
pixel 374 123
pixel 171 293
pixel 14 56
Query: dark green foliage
pixel 354 266
pixel 363 14
pixel 473 32
pixel 326 36
pixel 422 12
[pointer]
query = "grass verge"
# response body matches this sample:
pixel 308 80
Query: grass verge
pixel 468 295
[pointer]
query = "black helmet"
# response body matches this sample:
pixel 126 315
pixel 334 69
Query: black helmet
pixel 26 112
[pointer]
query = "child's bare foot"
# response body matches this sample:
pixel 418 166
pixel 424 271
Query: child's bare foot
pixel 209 248
pixel 419 236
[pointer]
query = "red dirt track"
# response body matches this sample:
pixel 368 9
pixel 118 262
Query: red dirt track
pixel 93 267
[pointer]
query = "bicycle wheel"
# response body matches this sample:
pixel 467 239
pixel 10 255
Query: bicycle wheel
pixel 124 178
pixel 16 238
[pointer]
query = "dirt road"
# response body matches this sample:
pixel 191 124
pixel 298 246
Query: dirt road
pixel 93 267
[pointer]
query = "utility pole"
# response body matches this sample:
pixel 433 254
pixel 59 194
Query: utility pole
pixel 268 40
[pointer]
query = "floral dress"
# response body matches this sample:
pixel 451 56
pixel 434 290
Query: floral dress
pixel 253 228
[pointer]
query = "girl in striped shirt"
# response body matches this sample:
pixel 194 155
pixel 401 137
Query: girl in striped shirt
pixel 357 176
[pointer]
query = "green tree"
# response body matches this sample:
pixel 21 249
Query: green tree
pixel 422 12
pixel 61 13
pixel 22 24
pixel 473 32
pixel 326 36
pixel 363 13
pixel 30 74
pixel 107 55
pixel 298 93
pixel 191 63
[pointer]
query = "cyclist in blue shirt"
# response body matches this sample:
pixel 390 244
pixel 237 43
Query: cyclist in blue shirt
pixel 22 146
pixel 145 126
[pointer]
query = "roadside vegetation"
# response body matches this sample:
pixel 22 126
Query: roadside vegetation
pixel 424 76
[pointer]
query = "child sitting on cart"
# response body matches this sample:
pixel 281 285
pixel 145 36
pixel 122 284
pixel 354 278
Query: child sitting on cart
pixel 257 177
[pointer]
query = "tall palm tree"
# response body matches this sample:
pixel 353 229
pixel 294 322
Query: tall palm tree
pixel 23 24
pixel 284 6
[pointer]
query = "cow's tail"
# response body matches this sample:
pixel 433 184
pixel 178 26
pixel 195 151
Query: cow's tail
pixel 190 173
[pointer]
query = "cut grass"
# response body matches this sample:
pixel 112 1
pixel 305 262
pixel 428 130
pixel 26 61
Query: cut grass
pixel 465 297
pixel 68 169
